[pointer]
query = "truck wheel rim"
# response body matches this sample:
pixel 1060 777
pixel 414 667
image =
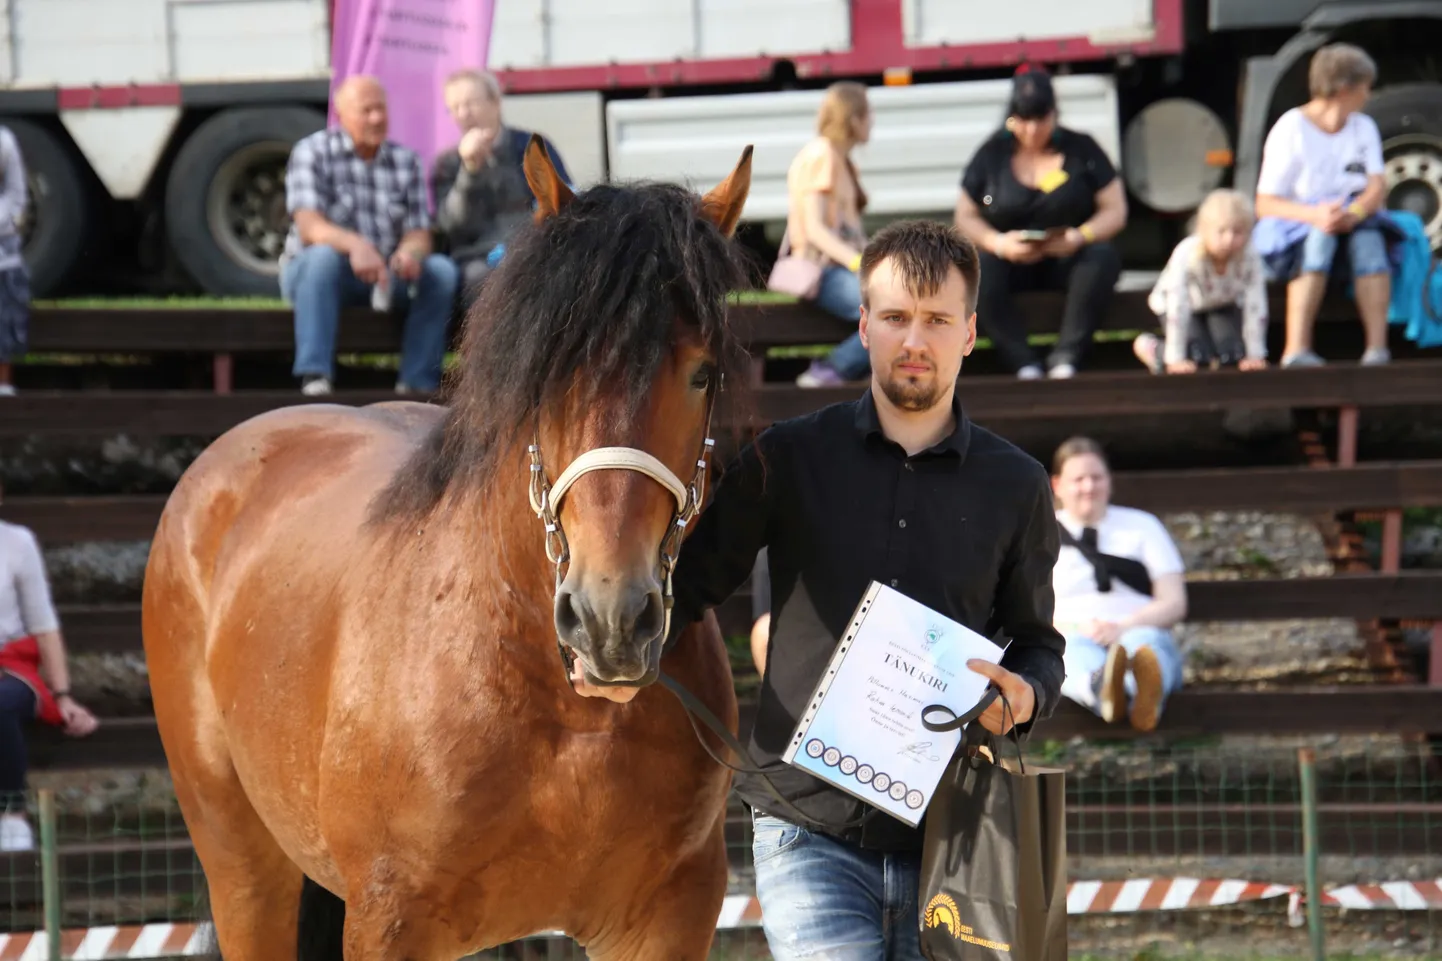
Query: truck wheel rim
pixel 1413 168
pixel 245 206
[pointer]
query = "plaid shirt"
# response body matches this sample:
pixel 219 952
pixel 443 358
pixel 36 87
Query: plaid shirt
pixel 381 199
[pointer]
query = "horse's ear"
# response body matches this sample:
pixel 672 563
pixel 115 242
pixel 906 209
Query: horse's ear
pixel 552 194
pixel 723 205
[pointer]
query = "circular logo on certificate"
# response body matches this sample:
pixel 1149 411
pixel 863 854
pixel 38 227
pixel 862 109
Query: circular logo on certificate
pixel 814 747
pixel 913 800
pixel 898 790
pixel 848 765
pixel 881 782
pixel 864 773
pixel 832 757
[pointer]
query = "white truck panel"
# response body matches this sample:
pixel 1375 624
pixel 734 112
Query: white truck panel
pixel 929 23
pixel 574 122
pixel 79 43
pixel 7 44
pixel 922 138
pixel 76 43
pixel 122 145
pixel 570 33
pixel 218 40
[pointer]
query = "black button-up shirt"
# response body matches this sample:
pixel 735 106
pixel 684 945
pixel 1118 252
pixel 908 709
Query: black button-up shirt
pixel 966 527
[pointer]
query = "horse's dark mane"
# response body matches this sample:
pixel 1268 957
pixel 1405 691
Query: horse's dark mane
pixel 585 301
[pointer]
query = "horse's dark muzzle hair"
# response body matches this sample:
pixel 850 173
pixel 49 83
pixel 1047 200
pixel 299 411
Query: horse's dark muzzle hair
pixel 613 629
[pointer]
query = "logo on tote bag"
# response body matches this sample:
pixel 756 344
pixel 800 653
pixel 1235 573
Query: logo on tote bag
pixel 941 912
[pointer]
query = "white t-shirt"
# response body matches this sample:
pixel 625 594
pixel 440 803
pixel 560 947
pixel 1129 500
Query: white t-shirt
pixel 1122 532
pixel 1304 163
pixel 25 607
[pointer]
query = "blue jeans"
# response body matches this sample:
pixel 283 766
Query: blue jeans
pixel 839 294
pixel 1365 247
pixel 319 282
pixel 1084 659
pixel 17 711
pixel 824 899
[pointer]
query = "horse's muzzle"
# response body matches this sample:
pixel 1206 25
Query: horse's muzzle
pixel 616 632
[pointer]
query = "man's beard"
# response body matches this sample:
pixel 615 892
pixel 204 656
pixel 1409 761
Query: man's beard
pixel 906 394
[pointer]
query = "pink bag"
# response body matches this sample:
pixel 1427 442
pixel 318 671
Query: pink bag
pixel 793 274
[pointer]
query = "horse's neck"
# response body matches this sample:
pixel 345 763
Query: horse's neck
pixel 506 543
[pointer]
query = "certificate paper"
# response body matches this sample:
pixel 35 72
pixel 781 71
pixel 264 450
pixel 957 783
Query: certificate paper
pixel 862 729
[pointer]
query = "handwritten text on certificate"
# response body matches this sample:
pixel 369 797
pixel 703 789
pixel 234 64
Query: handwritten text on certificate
pixel 866 736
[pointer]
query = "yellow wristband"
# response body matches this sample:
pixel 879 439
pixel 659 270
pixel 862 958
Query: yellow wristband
pixel 1089 235
pixel 855 264
pixel 1356 209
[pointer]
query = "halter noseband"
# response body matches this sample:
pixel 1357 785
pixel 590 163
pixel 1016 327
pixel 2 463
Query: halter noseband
pixel 546 502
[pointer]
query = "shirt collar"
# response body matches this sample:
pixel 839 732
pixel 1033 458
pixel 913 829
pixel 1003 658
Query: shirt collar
pixel 348 145
pixel 868 424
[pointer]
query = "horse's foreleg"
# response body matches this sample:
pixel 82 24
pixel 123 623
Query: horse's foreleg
pixel 679 921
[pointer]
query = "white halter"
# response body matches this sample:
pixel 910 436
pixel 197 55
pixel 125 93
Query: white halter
pixel 609 458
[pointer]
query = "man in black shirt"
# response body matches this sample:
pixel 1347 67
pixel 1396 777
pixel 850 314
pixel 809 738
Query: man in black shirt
pixel 900 487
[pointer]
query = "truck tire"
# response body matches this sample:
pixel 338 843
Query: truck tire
pixel 59 217
pixel 225 197
pixel 1409 117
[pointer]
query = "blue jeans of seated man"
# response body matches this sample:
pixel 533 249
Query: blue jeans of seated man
pixel 840 295
pixel 1084 659
pixel 824 899
pixel 1364 249
pixel 319 282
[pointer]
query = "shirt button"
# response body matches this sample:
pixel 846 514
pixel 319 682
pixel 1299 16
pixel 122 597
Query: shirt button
pixel 908 466
pixel 901 523
pixel 893 582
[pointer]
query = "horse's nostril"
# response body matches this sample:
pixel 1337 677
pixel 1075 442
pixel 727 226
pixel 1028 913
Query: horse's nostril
pixel 568 617
pixel 651 619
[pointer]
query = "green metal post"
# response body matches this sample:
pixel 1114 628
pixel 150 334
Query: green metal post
pixel 1307 761
pixel 50 874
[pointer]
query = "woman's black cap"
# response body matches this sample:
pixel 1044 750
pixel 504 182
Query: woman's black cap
pixel 1032 96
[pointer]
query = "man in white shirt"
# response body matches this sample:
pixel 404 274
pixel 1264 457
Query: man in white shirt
pixel 1120 589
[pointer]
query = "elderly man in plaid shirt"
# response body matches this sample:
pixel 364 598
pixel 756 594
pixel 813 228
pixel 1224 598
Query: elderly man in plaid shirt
pixel 360 228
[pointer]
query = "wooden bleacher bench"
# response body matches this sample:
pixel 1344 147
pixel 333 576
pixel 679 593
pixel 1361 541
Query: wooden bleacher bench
pixel 1301 490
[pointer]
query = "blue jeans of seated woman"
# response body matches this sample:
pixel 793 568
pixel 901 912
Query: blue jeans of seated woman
pixel 823 899
pixel 1364 250
pixel 839 294
pixel 17 711
pixel 1084 659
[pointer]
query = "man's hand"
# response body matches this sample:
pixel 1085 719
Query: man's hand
pixel 475 146
pixel 585 688
pixel 366 262
pixel 78 722
pixel 1331 217
pixel 1017 690
pixel 406 265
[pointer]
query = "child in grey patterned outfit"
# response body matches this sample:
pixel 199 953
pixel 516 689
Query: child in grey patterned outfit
pixel 1211 296
pixel 14 275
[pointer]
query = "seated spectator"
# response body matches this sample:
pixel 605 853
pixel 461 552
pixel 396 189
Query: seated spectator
pixel 823 227
pixel 14 274
pixel 1211 296
pixel 34 680
pixel 1120 589
pixel 479 186
pixel 1318 194
pixel 361 234
pixel 1041 203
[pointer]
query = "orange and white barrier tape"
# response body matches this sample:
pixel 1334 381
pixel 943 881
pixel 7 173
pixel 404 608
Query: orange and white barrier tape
pixel 152 941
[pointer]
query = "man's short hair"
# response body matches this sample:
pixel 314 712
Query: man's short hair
pixel 924 252
pixel 1339 67
pixel 483 78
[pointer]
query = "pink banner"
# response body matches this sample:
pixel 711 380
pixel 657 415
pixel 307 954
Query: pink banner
pixel 411 46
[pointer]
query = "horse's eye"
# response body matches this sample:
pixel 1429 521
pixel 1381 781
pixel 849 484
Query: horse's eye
pixel 703 378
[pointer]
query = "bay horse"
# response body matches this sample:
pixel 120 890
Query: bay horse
pixel 352 618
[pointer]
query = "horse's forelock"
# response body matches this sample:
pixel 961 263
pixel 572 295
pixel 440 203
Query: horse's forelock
pixel 583 305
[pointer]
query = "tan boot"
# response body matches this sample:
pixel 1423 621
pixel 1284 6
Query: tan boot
pixel 1147 706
